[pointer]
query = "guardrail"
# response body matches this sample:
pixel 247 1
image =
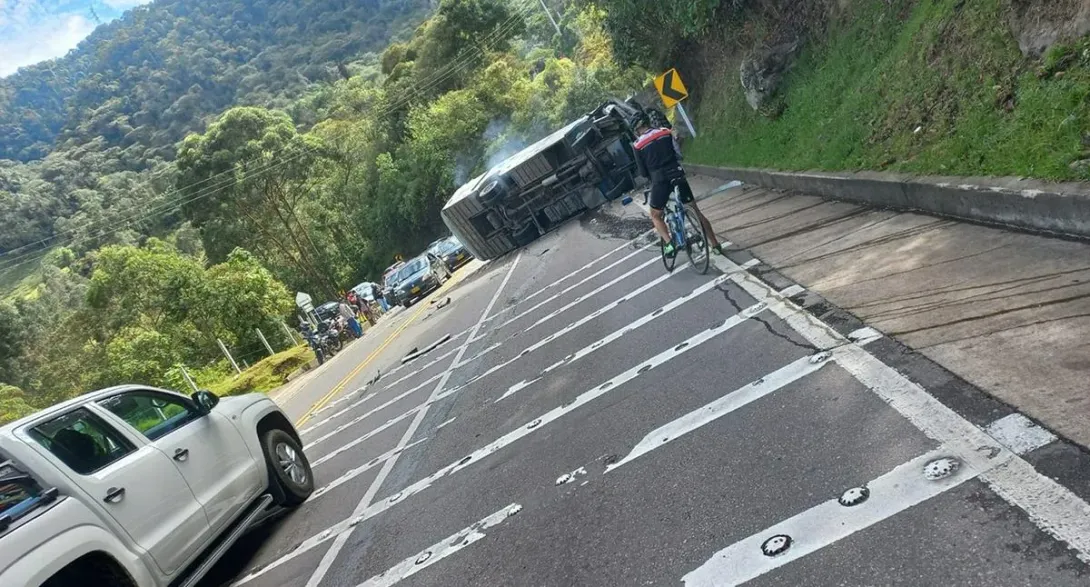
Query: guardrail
pixel 1037 206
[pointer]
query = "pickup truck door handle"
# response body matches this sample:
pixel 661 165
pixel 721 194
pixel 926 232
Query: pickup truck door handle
pixel 114 495
pixel 181 454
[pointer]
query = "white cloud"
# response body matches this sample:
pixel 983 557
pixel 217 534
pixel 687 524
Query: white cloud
pixel 45 39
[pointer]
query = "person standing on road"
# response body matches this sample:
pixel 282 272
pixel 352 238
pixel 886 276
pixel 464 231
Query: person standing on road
pixel 660 155
pixel 380 298
pixel 349 315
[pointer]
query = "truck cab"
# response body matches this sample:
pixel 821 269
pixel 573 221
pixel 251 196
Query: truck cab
pixel 146 482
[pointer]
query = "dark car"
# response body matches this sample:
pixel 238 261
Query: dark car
pixel 389 283
pixel 451 251
pixel 419 277
pixel 327 311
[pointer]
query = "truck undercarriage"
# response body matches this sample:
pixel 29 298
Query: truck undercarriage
pixel 579 167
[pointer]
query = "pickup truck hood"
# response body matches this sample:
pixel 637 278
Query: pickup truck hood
pixel 233 406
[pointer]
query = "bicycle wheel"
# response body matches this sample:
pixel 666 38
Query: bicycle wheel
pixel 668 261
pixel 696 243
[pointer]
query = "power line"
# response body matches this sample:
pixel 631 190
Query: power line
pixel 460 63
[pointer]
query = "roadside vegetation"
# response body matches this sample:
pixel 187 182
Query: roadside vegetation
pixel 128 254
pixel 934 87
pixel 265 375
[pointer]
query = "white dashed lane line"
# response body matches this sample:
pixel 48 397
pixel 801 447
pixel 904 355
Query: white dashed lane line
pixel 441 550
pixel 365 502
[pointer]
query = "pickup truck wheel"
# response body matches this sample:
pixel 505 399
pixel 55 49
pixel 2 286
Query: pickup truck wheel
pixel 90 570
pixel 288 467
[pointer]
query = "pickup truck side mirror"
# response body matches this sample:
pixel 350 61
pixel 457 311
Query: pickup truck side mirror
pixel 205 400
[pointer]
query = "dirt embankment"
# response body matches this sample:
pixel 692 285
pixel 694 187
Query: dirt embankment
pixel 759 46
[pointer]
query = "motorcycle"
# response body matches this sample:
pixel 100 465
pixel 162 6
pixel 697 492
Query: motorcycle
pixel 329 338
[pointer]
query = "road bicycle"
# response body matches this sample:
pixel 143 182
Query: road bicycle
pixel 687 233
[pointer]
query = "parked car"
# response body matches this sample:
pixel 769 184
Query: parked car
pixel 451 251
pixel 419 277
pixel 366 290
pixel 141 487
pixel 389 285
pixel 327 311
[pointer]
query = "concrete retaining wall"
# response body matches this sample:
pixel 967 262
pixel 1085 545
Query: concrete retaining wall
pixel 1058 208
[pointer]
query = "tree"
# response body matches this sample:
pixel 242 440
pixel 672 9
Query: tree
pixel 13 404
pixel 244 181
pixel 12 341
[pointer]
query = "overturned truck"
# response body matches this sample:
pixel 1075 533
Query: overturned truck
pixel 577 168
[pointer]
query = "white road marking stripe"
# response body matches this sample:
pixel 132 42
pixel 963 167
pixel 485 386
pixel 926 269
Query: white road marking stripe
pixel 408 376
pixel 477 356
pixel 397 368
pixel 440 550
pixel 366 414
pixel 370 433
pixel 365 503
pixel 579 299
pixel 792 291
pixel 357 471
pixel 1055 509
pixel 563 331
pixel 817 527
pixel 611 337
pixel 1019 433
pixel 346 397
pixel 344 527
pixel 711 412
pixel 572 274
pixel 429 363
pixel 489 349
pixel 864 336
pixel 441 425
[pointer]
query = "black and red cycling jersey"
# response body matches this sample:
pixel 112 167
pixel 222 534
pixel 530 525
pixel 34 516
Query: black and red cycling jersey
pixel 659 152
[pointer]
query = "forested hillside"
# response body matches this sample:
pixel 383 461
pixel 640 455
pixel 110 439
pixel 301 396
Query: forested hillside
pixel 142 82
pixel 133 258
pixel 81 134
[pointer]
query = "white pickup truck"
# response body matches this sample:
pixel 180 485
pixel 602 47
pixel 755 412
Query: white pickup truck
pixel 135 486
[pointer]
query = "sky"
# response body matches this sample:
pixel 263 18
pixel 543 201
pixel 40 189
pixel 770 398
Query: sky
pixel 36 30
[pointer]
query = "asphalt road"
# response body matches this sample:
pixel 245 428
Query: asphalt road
pixel 593 420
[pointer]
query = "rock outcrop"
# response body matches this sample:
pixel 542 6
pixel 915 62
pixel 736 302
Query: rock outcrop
pixel 1039 24
pixel 762 72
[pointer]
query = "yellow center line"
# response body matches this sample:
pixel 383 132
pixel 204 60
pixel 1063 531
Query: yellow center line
pixel 389 339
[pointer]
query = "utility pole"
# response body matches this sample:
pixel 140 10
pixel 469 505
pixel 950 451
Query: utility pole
pixel 551 19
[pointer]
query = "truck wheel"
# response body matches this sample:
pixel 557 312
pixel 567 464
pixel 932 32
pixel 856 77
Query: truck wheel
pixel 90 570
pixel 288 467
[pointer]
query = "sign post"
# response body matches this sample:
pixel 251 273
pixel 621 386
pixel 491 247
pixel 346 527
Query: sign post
pixel 685 117
pixel 672 91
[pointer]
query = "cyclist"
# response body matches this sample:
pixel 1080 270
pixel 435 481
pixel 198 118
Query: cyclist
pixel 661 158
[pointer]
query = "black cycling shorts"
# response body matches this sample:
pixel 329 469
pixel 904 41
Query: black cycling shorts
pixel 661 190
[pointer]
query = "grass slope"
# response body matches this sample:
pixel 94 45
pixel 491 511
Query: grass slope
pixel 265 375
pixel 931 86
